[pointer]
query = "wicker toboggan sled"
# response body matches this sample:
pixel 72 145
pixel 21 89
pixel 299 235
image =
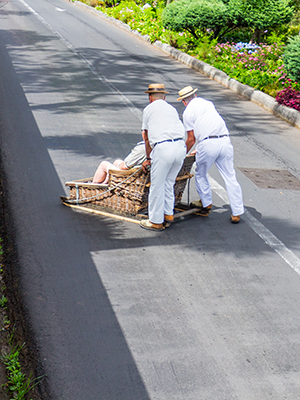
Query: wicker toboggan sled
pixel 126 194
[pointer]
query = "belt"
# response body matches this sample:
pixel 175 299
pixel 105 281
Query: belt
pixel 167 140
pixel 214 137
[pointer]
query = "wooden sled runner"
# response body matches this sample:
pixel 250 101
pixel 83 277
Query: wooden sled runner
pixel 126 194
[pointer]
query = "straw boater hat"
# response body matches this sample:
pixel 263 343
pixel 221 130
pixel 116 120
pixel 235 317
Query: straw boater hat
pixel 156 88
pixel 186 92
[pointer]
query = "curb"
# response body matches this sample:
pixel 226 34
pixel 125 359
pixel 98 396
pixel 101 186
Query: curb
pixel 265 101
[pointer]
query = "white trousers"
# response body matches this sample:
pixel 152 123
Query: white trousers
pixel 220 152
pixel 166 160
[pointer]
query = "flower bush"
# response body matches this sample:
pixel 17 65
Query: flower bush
pixel 260 66
pixel 289 97
pixel 249 47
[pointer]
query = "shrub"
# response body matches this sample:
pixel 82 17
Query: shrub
pixel 205 49
pixel 224 16
pixel 103 3
pixel 124 11
pixel 195 16
pixel 258 66
pixel 262 15
pixel 292 58
pixel 142 19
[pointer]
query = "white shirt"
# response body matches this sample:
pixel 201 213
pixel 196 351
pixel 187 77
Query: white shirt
pixel 162 122
pixel 137 156
pixel 201 116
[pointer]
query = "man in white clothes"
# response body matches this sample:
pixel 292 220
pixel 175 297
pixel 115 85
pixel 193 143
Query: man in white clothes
pixel 205 125
pixel 164 134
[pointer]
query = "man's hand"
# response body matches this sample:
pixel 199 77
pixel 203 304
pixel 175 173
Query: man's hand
pixel 146 165
pixel 190 141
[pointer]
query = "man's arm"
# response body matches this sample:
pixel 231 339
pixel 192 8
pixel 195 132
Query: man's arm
pixel 147 144
pixel 148 150
pixel 190 141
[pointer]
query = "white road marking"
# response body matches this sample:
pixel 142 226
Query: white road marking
pixel 271 240
pixel 100 77
pixel 59 9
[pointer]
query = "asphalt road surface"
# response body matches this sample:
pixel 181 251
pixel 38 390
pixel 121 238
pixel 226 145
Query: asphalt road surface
pixel 205 310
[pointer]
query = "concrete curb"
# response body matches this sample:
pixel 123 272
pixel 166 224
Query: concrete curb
pixel 265 101
pixel 290 115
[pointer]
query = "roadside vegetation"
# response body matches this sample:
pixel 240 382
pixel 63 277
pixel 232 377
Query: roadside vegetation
pixel 256 42
pixel 19 368
pixel 15 382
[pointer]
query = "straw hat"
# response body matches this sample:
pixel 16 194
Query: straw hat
pixel 186 92
pixel 156 88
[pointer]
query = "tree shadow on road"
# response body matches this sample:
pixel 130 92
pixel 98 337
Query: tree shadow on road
pixel 81 343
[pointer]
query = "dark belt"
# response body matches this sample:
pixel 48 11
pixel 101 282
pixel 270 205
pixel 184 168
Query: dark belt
pixel 214 137
pixel 167 140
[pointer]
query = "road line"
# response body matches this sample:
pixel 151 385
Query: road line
pixel 138 113
pixel 267 236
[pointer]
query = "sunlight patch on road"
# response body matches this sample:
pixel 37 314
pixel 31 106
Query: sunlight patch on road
pixel 271 240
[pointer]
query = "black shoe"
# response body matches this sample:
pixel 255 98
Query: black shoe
pixel 202 210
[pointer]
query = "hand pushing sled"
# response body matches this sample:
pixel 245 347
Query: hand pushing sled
pixel 126 194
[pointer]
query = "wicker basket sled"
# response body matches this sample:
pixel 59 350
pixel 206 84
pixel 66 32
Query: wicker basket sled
pixel 126 194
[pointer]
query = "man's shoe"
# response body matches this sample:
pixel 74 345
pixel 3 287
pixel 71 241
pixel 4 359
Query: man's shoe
pixel 197 204
pixel 202 210
pixel 146 224
pixel 235 219
pixel 169 218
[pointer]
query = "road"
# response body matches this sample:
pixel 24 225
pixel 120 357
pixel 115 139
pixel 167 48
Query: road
pixel 204 310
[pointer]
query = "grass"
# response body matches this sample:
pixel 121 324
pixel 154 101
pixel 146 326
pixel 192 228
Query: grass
pixel 3 301
pixel 17 385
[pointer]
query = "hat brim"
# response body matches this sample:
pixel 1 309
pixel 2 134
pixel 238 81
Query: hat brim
pixel 156 91
pixel 187 95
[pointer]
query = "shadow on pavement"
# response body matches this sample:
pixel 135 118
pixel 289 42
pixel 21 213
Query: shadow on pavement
pixel 82 346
